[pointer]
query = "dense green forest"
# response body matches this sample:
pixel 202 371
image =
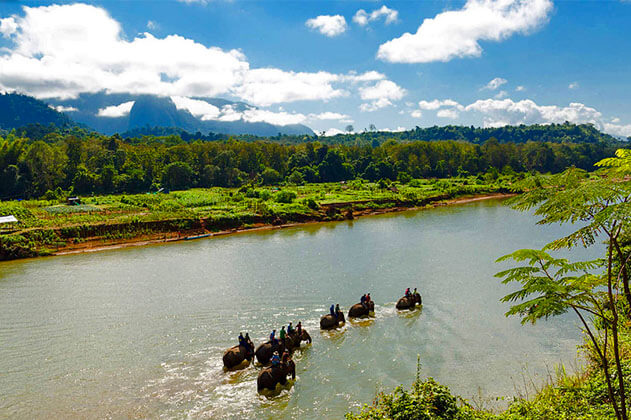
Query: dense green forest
pixel 100 164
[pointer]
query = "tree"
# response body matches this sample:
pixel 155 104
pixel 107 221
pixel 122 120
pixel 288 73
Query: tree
pixel 349 128
pixel 177 176
pixel 552 286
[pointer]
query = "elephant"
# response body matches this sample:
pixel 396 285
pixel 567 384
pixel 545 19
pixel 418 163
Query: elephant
pixel 409 302
pixel 271 376
pixel 328 321
pixel 234 356
pixel 265 351
pixel 359 310
pixel 293 340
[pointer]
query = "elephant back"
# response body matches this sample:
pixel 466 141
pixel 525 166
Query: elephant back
pixel 357 310
pixel 234 356
pixel 329 321
pixel 265 351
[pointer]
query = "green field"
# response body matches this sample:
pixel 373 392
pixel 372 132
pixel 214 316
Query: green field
pixel 47 225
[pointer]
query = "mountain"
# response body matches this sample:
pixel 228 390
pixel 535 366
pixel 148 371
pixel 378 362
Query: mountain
pixel 150 111
pixel 20 110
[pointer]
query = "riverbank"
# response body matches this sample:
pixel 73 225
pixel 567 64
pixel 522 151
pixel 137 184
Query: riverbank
pixel 49 227
pixel 97 245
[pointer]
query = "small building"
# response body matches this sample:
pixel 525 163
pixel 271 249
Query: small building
pixel 73 201
pixel 8 219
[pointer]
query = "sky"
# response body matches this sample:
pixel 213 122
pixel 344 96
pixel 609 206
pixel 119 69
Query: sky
pixel 330 64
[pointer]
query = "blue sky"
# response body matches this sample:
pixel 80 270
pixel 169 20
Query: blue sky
pixel 398 64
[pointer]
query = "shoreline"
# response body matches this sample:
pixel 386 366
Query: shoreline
pixel 160 238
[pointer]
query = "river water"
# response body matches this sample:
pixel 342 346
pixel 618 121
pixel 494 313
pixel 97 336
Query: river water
pixel 139 332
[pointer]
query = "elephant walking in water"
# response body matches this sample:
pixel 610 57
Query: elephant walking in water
pixel 294 339
pixel 359 310
pixel 271 376
pixel 265 351
pixel 328 321
pixel 235 356
pixel 410 302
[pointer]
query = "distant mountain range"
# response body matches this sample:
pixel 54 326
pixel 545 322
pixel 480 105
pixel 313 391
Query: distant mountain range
pixel 147 113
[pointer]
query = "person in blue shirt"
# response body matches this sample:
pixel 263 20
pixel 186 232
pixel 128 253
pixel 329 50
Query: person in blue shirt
pixel 290 329
pixel 275 359
pixel 272 338
pixel 332 310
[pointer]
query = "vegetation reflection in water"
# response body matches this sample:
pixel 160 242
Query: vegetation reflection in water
pixel 141 332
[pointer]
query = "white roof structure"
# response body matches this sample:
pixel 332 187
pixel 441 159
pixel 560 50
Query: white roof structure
pixel 7 219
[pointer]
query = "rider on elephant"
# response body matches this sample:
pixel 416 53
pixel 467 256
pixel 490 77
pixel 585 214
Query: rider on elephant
pixel 407 292
pixel 275 359
pixel 283 334
pixel 290 329
pixel 286 358
pixel 337 311
pixel 272 338
pixel 299 328
pixel 243 342
pixel 363 301
pixel 332 309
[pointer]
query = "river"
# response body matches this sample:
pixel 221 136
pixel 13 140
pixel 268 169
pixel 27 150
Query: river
pixel 139 332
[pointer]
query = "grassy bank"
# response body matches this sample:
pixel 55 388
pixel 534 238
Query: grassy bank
pixel 581 396
pixel 49 226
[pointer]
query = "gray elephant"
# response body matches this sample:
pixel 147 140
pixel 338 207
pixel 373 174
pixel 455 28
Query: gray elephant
pixel 235 356
pixel 265 351
pixel 328 321
pixel 293 340
pixel 358 310
pixel 271 376
pixel 409 302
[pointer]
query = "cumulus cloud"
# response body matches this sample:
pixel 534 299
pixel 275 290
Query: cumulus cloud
pixel 61 51
pixel 152 25
pixel 527 111
pixel 495 83
pixel 416 114
pixel 362 18
pixel 333 132
pixel 457 33
pixel 380 95
pixel 450 113
pixel 520 88
pixel 271 86
pixel 618 129
pixel 197 107
pixel 116 111
pixel 8 26
pixel 331 116
pixel 436 104
pixel 61 108
pixel 328 25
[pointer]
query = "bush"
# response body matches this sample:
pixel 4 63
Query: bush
pixel 285 196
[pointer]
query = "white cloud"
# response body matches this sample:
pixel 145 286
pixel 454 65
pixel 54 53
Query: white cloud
pixel 362 18
pixel 328 25
pixel 8 26
pixel 271 86
pixel 520 88
pixel 527 111
pixel 495 83
pixel 116 111
pixel 380 95
pixel 61 108
pixel 416 114
pixel 456 34
pixel 278 118
pixel 203 2
pixel 331 116
pixel 333 132
pixel 573 85
pixel 450 113
pixel 152 25
pixel 61 51
pixel 501 94
pixel 198 108
pixel 436 104
pixel 393 130
pixel 617 129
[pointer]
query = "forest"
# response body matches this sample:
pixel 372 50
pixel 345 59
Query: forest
pixel 81 162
